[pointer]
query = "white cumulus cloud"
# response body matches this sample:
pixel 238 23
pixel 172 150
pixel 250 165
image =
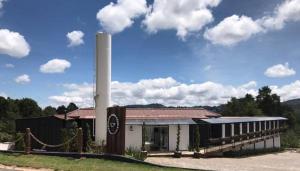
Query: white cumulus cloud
pixel 13 44
pixel 287 11
pixel 166 91
pixel 232 30
pixel 9 65
pixel 23 79
pixel 288 92
pixel 1 3
pixel 181 15
pixel 55 66
pixel 115 17
pixel 280 70
pixel 75 38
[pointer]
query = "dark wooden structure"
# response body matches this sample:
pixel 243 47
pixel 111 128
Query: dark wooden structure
pixel 49 129
pixel 116 118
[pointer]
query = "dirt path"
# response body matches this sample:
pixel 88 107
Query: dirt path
pixel 15 168
pixel 284 161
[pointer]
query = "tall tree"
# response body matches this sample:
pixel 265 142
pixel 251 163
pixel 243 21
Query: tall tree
pixel 242 107
pixel 269 103
pixel 61 109
pixel 71 107
pixel 49 110
pixel 29 108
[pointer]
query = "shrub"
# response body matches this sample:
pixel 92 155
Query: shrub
pixel 290 139
pixel 20 144
pixel 197 139
pixel 178 138
pixel 135 153
pixel 143 137
pixel 89 141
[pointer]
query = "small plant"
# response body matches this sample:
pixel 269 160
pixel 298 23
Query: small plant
pixel 178 138
pixel 177 152
pixel 135 153
pixel 197 139
pixel 20 144
pixel 89 141
pixel 197 142
pixel 64 138
pixel 143 137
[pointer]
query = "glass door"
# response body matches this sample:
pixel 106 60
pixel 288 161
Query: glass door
pixel 157 138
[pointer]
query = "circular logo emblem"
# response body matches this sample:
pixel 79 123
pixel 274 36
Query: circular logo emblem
pixel 113 124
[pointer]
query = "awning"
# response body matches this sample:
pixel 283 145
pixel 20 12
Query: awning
pixel 240 119
pixel 160 122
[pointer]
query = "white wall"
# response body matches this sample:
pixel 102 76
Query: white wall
pixel 277 142
pixel 260 145
pixel 133 138
pixel 184 137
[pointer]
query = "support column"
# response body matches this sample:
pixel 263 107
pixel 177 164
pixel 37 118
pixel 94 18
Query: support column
pixel 223 132
pixel 232 129
pixel 241 128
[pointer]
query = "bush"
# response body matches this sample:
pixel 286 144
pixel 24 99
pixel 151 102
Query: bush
pixel 197 139
pixel 20 144
pixel 290 139
pixel 135 153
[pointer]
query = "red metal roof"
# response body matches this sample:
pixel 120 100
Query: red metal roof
pixel 151 113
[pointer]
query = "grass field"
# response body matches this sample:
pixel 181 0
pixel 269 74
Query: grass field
pixel 62 163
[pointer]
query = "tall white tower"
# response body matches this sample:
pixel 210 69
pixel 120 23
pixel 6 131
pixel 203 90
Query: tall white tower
pixel 103 79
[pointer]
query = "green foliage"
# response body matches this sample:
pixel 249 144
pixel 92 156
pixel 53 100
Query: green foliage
pixel 71 107
pixel 29 108
pixel 178 138
pixel 143 136
pixel 67 134
pixel 20 144
pixel 89 142
pixel 290 139
pixel 268 103
pixel 61 109
pixel 242 107
pixel 49 110
pixel 135 153
pixel 197 139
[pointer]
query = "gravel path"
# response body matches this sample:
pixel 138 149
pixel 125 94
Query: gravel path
pixel 284 161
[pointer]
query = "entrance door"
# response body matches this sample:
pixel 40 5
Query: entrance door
pixel 157 138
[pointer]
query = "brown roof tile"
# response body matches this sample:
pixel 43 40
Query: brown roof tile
pixel 151 113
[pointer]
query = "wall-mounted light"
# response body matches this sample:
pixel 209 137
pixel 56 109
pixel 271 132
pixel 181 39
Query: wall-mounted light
pixel 131 128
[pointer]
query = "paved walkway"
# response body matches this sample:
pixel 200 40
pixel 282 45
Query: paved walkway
pixel 284 161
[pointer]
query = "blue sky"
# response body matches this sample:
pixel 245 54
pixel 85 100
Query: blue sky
pixel 152 62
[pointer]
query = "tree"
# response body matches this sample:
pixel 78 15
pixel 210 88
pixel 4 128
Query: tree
pixel 71 107
pixel 61 109
pixel 49 110
pixel 267 102
pixel 242 107
pixel 3 107
pixel 29 108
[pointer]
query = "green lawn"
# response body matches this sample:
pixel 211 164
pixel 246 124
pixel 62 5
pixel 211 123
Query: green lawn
pixel 63 163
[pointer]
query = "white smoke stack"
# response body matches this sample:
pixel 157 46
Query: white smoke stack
pixel 103 79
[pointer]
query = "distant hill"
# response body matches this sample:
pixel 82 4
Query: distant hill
pixel 154 105
pixel 216 109
pixel 295 104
